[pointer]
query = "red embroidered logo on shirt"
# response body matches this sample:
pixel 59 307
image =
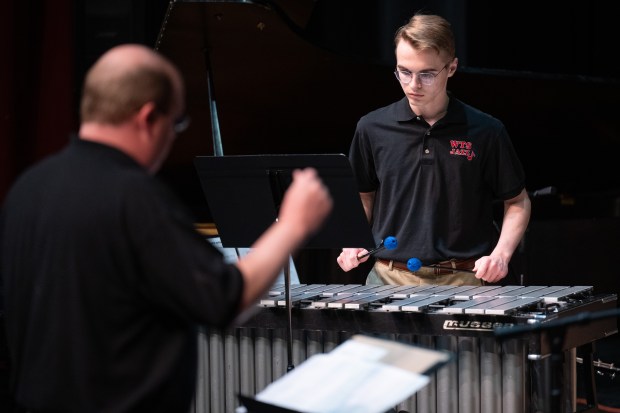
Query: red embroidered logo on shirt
pixel 462 148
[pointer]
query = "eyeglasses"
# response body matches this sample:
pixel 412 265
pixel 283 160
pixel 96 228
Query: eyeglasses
pixel 181 123
pixel 426 78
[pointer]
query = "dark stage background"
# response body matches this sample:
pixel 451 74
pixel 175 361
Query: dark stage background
pixel 544 68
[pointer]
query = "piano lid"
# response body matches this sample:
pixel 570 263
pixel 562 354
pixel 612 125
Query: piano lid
pixel 274 90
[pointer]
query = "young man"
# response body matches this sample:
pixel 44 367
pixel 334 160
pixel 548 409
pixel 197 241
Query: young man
pixel 429 167
pixel 104 277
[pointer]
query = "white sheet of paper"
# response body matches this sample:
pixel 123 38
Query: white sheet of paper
pixel 349 379
pixel 232 255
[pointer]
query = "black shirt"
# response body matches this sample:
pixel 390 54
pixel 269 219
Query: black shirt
pixel 435 186
pixel 105 281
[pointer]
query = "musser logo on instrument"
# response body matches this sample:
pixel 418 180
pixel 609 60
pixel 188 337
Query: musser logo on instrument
pixel 473 325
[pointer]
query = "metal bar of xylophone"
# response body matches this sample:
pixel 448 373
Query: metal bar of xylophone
pixel 488 376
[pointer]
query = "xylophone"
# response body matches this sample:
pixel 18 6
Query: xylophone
pixel 489 375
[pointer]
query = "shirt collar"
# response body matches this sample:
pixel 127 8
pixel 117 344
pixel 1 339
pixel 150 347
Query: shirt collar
pixel 455 114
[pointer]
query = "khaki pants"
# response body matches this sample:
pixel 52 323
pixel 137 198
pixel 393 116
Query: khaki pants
pixel 385 274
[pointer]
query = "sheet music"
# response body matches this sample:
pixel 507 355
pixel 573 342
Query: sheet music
pixel 353 378
pixel 233 254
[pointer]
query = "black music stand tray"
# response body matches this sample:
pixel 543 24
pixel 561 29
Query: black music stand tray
pixel 244 194
pixel 256 406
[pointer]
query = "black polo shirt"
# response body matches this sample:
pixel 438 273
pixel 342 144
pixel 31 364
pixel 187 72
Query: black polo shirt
pixel 105 281
pixel 435 186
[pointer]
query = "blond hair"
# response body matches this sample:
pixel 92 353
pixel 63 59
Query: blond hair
pixel 428 31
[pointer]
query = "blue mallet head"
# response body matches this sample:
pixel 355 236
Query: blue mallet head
pixel 390 243
pixel 414 264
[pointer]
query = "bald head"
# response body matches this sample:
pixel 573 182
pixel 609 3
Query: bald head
pixel 123 80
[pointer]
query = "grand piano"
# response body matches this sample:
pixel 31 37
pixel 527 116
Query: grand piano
pixel 294 76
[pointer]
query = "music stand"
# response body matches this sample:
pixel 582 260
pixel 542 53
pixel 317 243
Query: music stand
pixel 244 194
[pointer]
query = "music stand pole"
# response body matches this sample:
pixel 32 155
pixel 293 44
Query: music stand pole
pixel 289 315
pixel 279 188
